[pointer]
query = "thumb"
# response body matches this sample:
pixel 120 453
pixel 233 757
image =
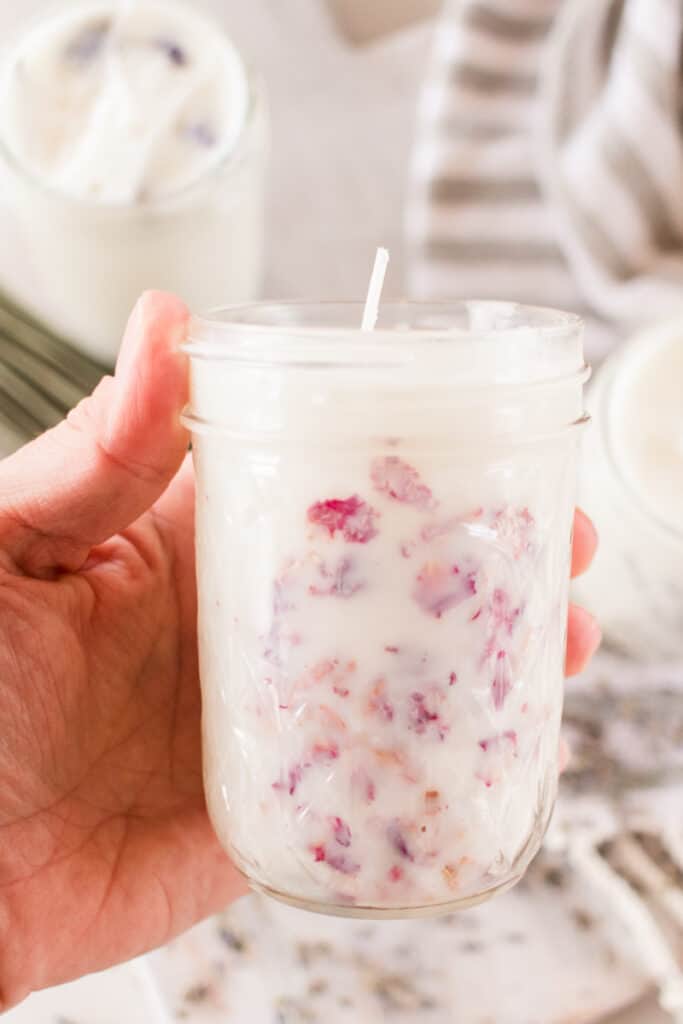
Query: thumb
pixel 110 460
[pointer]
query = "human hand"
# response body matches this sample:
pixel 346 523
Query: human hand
pixel 105 846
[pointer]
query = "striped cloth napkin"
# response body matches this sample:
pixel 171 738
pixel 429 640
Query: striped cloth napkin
pixel 42 377
pixel 549 162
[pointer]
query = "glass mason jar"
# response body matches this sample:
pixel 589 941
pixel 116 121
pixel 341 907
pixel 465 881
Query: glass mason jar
pixel 83 263
pixel 635 585
pixel 383 536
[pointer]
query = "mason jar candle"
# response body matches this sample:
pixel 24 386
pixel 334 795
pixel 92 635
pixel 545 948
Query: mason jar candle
pixel 632 477
pixel 383 539
pixel 133 149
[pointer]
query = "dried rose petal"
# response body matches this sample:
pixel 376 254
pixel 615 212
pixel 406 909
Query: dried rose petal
pixel 397 838
pixel 502 680
pixel 342 832
pixel 400 481
pixel 432 801
pixel 352 517
pixel 330 719
pixel 364 785
pixel 396 759
pixel 419 715
pixel 435 531
pixel 508 737
pixel 342 862
pixel 440 588
pixel 323 752
pixel 294 777
pixel 515 527
pixel 337 861
pixel 322 669
pixel 337 581
pixel 379 703
pixel 450 876
pixel 503 615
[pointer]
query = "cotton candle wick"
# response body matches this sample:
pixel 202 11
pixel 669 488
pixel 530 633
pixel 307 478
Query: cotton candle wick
pixel 379 272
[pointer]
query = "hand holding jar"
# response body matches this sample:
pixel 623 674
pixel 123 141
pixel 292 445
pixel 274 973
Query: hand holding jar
pixel 101 797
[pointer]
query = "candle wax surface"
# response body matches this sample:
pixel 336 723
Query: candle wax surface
pixel 122 103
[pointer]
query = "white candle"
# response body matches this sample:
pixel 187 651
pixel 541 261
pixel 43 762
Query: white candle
pixel 383 546
pixel 121 125
pixel 632 484
pixel 646 421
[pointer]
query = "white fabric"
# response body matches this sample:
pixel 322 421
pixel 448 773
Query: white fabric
pixel 549 160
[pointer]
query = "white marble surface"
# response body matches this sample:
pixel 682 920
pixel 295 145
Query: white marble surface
pixel 266 964
pixel 201 980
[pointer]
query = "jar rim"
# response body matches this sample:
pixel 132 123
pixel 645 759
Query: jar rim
pixel 526 343
pixel 429 354
pixel 258 319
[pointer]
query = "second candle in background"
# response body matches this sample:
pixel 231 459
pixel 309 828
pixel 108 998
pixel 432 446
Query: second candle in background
pixel 133 147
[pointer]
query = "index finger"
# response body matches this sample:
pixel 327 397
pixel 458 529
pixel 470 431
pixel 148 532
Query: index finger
pixel 585 543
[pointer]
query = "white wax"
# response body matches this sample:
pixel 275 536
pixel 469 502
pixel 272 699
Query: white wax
pixel 133 150
pixel 123 102
pixel 646 420
pixel 382 586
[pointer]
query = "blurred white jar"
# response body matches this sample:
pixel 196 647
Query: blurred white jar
pixel 631 483
pixel 133 150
